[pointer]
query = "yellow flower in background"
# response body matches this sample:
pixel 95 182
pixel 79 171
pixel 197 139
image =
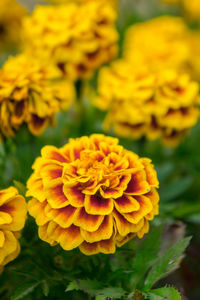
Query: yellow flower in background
pixel 157 43
pixel 11 14
pixel 27 95
pixel 92 194
pixel 12 219
pixel 144 103
pixel 76 38
pixel 112 2
pixel 192 8
pixel 192 65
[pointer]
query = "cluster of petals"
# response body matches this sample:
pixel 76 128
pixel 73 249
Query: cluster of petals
pixel 64 36
pixel 12 219
pixel 28 95
pixel 92 194
pixel 11 15
pixel 158 43
pixel 162 104
pixel 162 43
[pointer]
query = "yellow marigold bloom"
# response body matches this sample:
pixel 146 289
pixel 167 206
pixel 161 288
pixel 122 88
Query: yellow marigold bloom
pixel 75 43
pixel 12 219
pixel 192 65
pixel 157 43
pixel 11 14
pixel 92 194
pixel 28 96
pixel 144 103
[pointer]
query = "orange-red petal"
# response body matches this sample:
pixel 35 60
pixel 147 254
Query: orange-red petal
pixel 104 231
pixel 145 208
pixel 97 205
pixel 126 204
pixel 138 184
pixel 87 222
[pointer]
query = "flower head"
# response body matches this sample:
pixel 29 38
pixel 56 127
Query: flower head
pixel 12 219
pixel 144 103
pixel 157 43
pixel 64 36
pixel 92 194
pixel 11 14
pixel 27 95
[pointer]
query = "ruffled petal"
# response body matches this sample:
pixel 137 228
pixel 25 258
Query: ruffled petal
pixel 138 184
pixel 126 204
pixel 145 208
pixel 64 217
pixel 55 195
pixel 97 205
pixel 74 195
pixel 51 152
pixel 104 231
pixel 87 222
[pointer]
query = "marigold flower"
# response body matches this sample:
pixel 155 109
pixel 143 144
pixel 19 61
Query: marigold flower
pixel 158 43
pixel 64 36
pixel 92 194
pixel 12 219
pixel 145 103
pixel 11 14
pixel 27 95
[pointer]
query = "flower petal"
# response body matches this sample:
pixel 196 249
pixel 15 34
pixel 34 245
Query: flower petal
pixel 36 210
pixel 150 172
pixel 89 248
pixel 97 205
pixel 64 217
pixel 145 208
pixel 143 230
pixel 126 204
pixel 17 209
pixel 53 153
pixel 70 238
pixel 138 184
pixel 55 195
pixel 6 194
pixel 88 222
pixel 107 246
pixel 74 195
pixel 104 231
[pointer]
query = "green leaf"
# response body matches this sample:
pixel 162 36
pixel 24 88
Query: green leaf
pixel 112 292
pixel 145 256
pixel 166 263
pixel 95 288
pixel 45 288
pixel 23 291
pixel 168 293
pixel 176 188
pixel 88 286
pixel 20 187
pixel 164 171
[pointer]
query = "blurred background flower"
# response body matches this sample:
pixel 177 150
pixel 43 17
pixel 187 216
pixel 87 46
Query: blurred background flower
pixel 11 15
pixel 29 95
pixel 12 219
pixel 77 45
